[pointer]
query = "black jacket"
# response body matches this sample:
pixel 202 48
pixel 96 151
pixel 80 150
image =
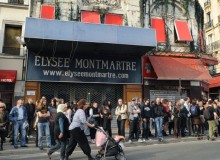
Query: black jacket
pixel 146 111
pixel 184 112
pixel 159 110
pixel 57 130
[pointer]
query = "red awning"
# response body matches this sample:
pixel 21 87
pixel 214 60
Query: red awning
pixel 47 12
pixel 214 82
pixel 182 31
pixel 113 19
pixel 159 25
pixel 8 75
pixel 90 17
pixel 172 68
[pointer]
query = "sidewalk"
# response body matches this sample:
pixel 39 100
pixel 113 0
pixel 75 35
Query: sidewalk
pixel 9 149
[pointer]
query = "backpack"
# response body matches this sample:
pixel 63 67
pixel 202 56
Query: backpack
pixel 194 111
pixel 207 114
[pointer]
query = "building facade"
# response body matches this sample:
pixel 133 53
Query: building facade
pixel 12 54
pixel 178 35
pixel 212 35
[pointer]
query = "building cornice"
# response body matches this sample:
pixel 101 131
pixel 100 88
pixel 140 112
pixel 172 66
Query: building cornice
pixel 13 6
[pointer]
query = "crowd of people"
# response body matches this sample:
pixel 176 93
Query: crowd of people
pixel 67 124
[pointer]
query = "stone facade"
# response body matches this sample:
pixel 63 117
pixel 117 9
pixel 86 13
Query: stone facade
pixel 212 28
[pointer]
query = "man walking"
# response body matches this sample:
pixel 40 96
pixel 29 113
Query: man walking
pixel 18 116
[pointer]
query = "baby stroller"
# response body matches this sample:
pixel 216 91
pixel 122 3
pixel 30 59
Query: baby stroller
pixel 110 147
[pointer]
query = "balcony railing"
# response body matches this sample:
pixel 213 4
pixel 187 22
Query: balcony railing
pixel 213 46
pixel 209 24
pixel 207 3
pixel 16 1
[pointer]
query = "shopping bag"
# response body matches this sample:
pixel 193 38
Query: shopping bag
pixel 101 138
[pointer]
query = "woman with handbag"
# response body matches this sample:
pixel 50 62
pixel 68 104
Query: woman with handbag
pixel 3 123
pixel 94 118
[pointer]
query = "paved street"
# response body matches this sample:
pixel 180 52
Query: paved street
pixel 196 150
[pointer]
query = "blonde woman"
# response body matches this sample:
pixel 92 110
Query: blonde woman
pixel 61 132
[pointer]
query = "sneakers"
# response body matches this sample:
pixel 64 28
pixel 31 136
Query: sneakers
pixel 140 140
pixel 129 141
pixel 144 140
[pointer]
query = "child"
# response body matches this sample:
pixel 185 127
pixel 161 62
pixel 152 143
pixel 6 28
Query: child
pixel 106 120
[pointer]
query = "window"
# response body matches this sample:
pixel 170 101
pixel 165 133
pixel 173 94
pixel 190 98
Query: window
pixel 210 38
pixel 212 70
pixel 11 46
pixel 182 32
pixel 208 17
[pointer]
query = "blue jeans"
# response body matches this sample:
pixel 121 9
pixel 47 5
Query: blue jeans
pixel 41 128
pixel 59 145
pixel 159 126
pixel 18 126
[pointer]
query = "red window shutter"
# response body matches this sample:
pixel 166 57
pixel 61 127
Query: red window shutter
pixel 182 31
pixel 90 17
pixel 47 12
pixel 159 25
pixel 114 19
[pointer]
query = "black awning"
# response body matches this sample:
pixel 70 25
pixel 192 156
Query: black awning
pixel 42 35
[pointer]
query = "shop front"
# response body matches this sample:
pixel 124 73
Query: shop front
pixel 7 85
pixel 74 60
pixel 174 78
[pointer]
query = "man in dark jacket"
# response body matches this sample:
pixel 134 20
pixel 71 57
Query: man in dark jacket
pixel 211 120
pixel 146 114
pixel 159 113
pixel 30 107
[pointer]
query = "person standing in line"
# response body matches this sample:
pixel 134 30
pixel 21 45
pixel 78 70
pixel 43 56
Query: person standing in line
pixel 30 107
pixel 177 120
pixel 171 123
pixel 146 114
pixel 202 119
pixel 195 115
pixel 159 113
pixel 53 113
pixel 189 127
pixel 69 112
pixel 43 123
pixel 94 118
pixel 61 131
pixel 121 116
pixel 133 111
pixel 183 114
pixel 209 115
pixel 166 117
pixel 3 123
pixel 106 119
pixel 77 134
pixel 106 104
pixel 18 116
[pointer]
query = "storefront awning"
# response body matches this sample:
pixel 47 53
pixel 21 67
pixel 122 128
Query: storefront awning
pixel 182 31
pixel 67 36
pixel 172 68
pixel 214 82
pixel 8 76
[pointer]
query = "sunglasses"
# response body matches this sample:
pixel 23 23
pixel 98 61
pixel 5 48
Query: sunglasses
pixel 2 107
